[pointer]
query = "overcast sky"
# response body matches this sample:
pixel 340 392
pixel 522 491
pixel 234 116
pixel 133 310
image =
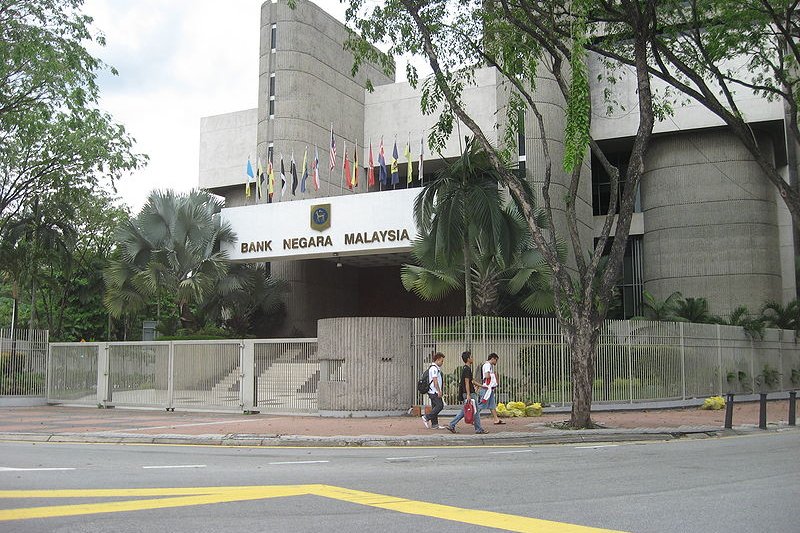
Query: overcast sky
pixel 178 61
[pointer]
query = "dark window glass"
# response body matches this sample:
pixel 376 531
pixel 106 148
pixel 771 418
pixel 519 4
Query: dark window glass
pixel 601 183
pixel 270 151
pixel 627 300
pixel 271 107
pixel 521 134
pixel 274 37
pixel 272 85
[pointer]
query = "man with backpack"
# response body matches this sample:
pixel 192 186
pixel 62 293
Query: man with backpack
pixel 466 392
pixel 435 391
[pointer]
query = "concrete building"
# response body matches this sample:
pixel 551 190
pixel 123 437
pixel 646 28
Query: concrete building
pixel 707 224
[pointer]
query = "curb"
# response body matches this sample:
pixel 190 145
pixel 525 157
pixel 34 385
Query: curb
pixel 547 437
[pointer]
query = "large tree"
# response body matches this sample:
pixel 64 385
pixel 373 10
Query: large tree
pixel 52 133
pixel 524 46
pixel 716 52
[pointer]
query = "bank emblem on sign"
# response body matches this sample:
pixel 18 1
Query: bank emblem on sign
pixel 321 217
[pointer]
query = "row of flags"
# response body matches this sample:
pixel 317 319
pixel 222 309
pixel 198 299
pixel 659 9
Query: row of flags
pixel 262 179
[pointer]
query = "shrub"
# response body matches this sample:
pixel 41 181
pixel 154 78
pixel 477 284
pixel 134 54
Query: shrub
pixel 713 403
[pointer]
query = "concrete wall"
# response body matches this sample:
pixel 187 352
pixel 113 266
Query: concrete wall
pixel 553 108
pixel 623 120
pixel 313 88
pixel 710 222
pixel 369 362
pixel 226 141
pixel 393 112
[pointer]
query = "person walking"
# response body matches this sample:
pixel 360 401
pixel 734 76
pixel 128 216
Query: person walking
pixel 488 396
pixel 435 392
pixel 466 391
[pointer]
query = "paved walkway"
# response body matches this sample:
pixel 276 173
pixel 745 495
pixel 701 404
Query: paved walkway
pixel 84 424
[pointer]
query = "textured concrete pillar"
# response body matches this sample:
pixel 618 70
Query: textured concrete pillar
pixel 365 365
pixel 710 222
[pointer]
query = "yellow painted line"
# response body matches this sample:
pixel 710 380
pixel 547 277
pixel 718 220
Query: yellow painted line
pixel 476 517
pixel 181 497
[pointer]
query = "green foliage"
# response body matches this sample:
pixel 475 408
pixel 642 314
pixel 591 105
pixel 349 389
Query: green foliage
pixel 54 136
pixel 492 326
pixel 576 133
pixel 464 218
pixel 769 377
pixel 171 253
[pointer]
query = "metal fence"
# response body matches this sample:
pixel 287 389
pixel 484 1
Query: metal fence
pixel 277 375
pixel 635 360
pixel 23 362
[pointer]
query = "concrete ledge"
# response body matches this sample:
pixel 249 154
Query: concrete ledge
pixel 360 414
pixel 22 401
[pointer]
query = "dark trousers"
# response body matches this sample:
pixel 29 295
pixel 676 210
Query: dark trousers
pixel 437 404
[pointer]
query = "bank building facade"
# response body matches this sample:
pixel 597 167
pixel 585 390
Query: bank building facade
pixel 707 222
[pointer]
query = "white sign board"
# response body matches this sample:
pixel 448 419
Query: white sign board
pixel 356 224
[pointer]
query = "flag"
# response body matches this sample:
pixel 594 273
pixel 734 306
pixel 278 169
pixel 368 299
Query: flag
pixel 371 168
pixel 250 178
pixel 271 180
pixel 259 179
pixel 283 178
pixel 293 170
pixel 346 168
pixel 395 171
pixel 382 163
pixel 421 159
pixel 407 153
pixel 305 171
pixel 355 166
pixel 315 168
pixel 332 154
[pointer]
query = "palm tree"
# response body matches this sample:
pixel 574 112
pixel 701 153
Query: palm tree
pixel 247 291
pixel 661 311
pixel 172 247
pixel 779 316
pixel 462 203
pixel 753 326
pixel 519 272
pixel 694 310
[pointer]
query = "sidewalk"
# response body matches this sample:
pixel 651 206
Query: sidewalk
pixel 85 424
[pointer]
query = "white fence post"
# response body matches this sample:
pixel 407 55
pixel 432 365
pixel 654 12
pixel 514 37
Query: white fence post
pixel 247 365
pixel 630 363
pixel 103 376
pixel 719 359
pixel 683 363
pixel 171 377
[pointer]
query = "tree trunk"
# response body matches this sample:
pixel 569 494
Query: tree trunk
pixel 581 337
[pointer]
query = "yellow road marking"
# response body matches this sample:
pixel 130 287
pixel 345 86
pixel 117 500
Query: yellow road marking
pixel 180 497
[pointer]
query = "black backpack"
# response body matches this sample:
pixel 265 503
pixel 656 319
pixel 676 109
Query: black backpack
pixel 424 384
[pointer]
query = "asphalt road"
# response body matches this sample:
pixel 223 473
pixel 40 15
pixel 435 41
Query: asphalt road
pixel 737 484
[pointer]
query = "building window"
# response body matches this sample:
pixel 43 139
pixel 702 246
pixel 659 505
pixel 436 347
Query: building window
pixel 521 134
pixel 274 36
pixel 272 107
pixel 270 151
pixel 627 299
pixel 272 85
pixel 601 183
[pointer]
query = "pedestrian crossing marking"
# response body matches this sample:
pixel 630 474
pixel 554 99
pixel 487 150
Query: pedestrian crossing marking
pixel 163 498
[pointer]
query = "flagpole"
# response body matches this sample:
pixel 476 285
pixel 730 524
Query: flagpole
pixel 344 155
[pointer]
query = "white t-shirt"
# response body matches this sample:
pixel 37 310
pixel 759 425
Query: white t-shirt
pixel 434 373
pixel 488 371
